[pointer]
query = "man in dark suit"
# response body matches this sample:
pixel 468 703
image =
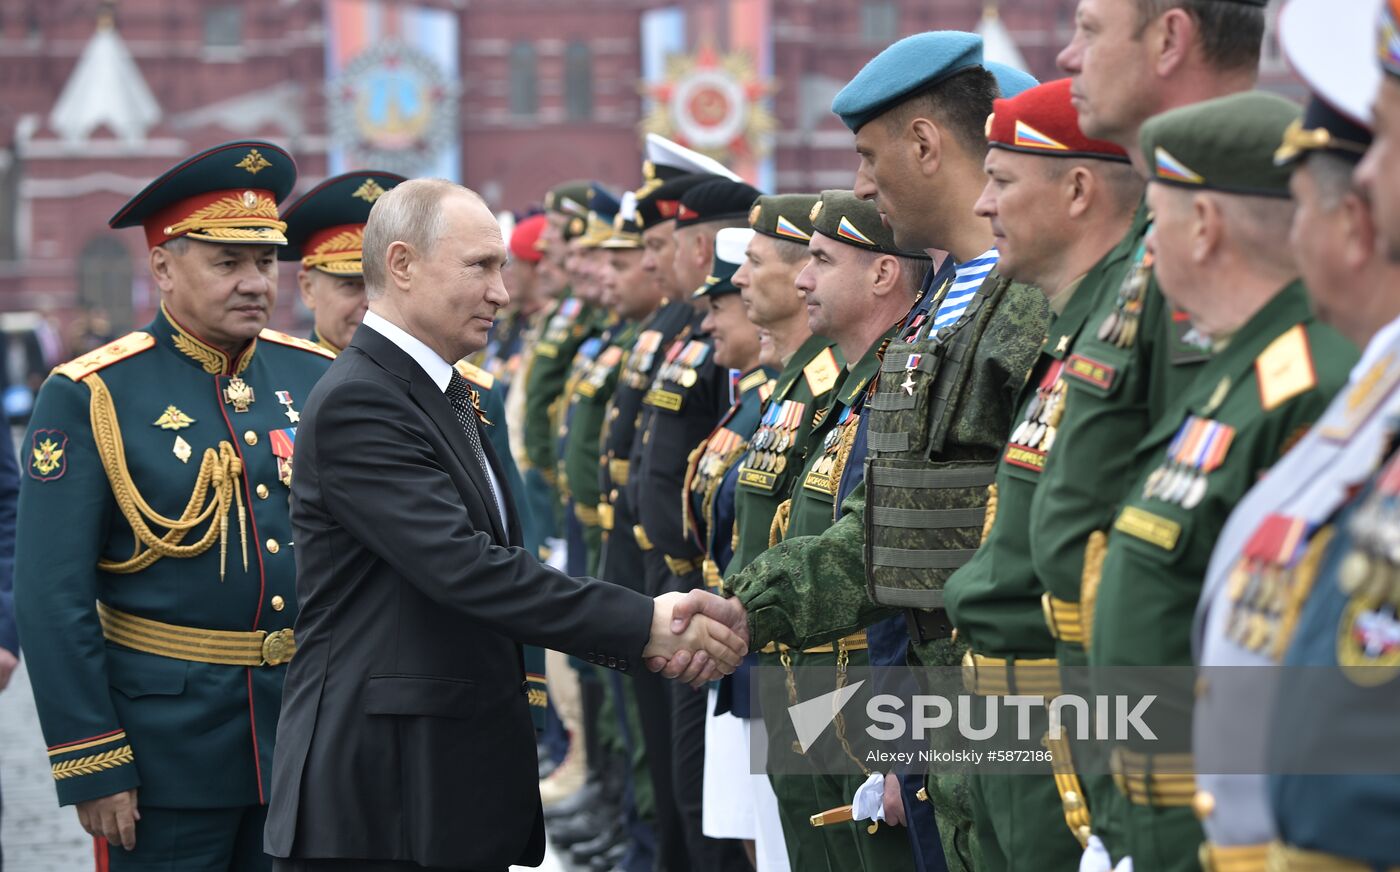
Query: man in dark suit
pixel 405 741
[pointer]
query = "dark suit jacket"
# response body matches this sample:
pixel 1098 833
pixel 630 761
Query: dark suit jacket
pixel 405 731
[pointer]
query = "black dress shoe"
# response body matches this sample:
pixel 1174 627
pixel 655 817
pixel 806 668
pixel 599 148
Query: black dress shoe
pixel 581 827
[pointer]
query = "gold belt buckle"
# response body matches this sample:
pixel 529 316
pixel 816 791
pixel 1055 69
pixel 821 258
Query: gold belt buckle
pixel 278 647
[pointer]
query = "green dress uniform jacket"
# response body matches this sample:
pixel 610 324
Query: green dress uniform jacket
pixel 1247 406
pixel 709 506
pixel 588 404
pixel 768 470
pixel 154 508
pixel 567 325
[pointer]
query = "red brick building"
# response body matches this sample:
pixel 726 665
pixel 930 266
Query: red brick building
pixel 549 90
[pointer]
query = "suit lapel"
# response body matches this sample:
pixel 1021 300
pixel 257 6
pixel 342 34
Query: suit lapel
pixel 435 403
pixel 513 531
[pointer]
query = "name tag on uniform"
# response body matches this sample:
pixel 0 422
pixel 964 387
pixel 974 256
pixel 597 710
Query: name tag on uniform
pixel 757 478
pixel 1090 371
pixel 1151 528
pixel 662 399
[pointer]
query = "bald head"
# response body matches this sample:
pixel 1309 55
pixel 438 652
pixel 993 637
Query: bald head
pixel 410 213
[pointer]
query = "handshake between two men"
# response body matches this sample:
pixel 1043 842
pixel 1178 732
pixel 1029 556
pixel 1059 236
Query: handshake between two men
pixel 697 636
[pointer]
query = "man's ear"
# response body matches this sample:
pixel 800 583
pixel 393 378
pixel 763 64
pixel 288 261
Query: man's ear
pixel 398 262
pixel 1207 227
pixel 1172 38
pixel 1081 187
pixel 162 265
pixel 926 139
pixel 1359 231
pixel 304 285
pixel 885 275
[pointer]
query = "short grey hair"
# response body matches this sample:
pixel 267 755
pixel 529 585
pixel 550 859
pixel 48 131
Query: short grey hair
pixel 408 212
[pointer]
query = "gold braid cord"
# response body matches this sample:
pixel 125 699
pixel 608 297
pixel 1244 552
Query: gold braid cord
pixel 219 472
pixel 838 466
pixel 778 529
pixel 1094 551
pixel 991 511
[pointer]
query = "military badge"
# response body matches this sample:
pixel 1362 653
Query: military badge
pixel 1198 449
pixel 238 394
pixel 283 442
pixel 1368 638
pixel 1120 327
pixel 49 457
pixel 182 450
pixel 172 419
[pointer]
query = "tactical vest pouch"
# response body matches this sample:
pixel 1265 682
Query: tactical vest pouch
pixel 923 520
pixel 902 404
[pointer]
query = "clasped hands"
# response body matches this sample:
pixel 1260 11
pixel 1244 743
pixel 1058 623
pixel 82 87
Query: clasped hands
pixel 697 637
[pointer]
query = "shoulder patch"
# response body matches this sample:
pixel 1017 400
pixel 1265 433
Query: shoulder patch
pixel 280 338
pixel 1285 369
pixel 752 380
pixel 822 372
pixel 476 375
pixel 129 345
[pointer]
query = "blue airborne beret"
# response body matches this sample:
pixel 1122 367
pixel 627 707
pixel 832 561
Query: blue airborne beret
pixel 1010 81
pixel 910 65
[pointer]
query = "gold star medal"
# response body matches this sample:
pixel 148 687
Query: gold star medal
pixel 238 394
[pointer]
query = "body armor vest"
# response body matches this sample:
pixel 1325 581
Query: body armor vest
pixel 924 515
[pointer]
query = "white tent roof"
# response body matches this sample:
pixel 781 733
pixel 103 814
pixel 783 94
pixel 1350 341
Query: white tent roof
pixel 106 87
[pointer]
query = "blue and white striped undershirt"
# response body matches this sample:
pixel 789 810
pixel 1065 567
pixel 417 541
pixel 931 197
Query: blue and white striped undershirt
pixel 967 279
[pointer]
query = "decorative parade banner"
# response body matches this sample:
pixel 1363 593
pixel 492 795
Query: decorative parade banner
pixel 392 87
pixel 707 75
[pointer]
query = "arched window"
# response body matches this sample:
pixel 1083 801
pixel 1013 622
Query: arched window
pixel 524 87
pixel 104 281
pixel 578 81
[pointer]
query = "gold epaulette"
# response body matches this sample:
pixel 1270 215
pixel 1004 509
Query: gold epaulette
pixel 822 372
pixel 476 375
pixel 1285 368
pixel 280 338
pixel 131 344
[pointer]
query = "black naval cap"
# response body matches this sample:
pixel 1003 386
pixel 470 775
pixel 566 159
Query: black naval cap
pixel 326 226
pixel 662 202
pixel 226 194
pixel 716 200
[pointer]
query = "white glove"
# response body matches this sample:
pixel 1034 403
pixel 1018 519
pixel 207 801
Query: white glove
pixel 1096 859
pixel 869 802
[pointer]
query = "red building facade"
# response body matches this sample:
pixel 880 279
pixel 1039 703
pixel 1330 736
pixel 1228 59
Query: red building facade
pixel 549 90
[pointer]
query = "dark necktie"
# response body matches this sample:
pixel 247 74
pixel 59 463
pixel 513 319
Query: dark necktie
pixel 459 393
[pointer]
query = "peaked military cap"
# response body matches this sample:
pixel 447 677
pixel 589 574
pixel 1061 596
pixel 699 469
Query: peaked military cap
pixel 666 160
pixel 1042 121
pixel 731 244
pixel 1010 81
pixel 663 201
pixel 1226 144
pixel 716 200
pixel 1329 53
pixel 784 216
pixel 575 227
pixel 568 198
pixel 843 216
pixel 602 208
pixel 226 194
pixel 626 233
pixel 326 226
pixel 911 65
pixel 1388 37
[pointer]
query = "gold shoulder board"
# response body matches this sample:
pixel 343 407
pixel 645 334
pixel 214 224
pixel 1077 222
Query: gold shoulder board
pixel 281 338
pixel 476 375
pixel 118 349
pixel 1285 368
pixel 822 372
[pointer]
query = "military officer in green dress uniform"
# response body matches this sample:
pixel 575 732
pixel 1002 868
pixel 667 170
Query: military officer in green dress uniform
pixel 858 286
pixel 1057 202
pixel 1267 555
pixel 324 231
pixel 1219 238
pixel 1345 638
pixel 154 570
pixel 547 366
